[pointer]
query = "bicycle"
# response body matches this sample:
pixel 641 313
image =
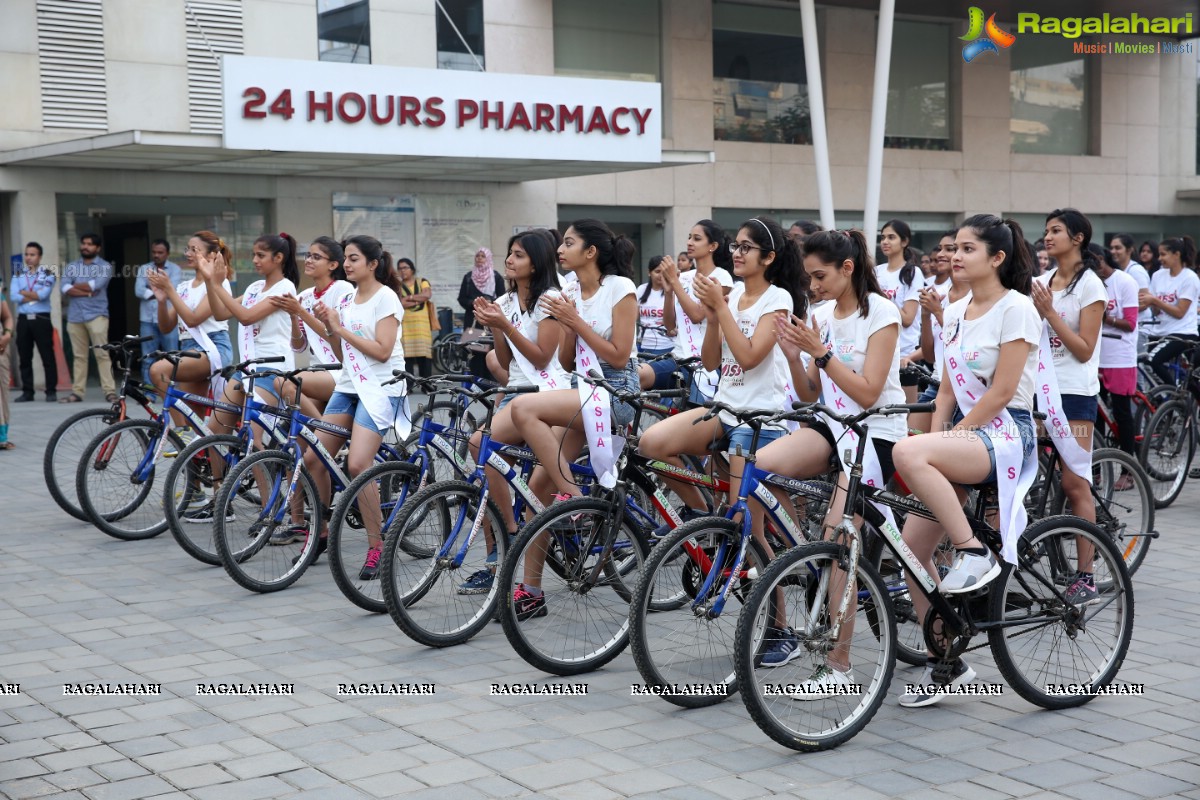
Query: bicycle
pixel 1169 442
pixel 1039 640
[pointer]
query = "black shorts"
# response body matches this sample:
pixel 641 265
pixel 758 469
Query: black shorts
pixel 883 449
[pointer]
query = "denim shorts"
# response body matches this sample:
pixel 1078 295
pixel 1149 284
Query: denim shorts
pixel 929 395
pixel 346 403
pixel 1024 422
pixel 1080 407
pixel 220 340
pixel 740 437
pixel 663 372
pixel 264 384
pixel 627 379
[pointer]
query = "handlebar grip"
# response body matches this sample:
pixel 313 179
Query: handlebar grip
pixel 194 354
pixel 270 360
pixel 521 389
pixel 324 367
pixel 921 408
pixel 665 393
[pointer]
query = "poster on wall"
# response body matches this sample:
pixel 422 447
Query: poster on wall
pixel 390 219
pixel 450 229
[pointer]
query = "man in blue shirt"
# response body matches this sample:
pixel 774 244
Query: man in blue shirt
pixel 31 289
pixel 148 308
pixel 85 282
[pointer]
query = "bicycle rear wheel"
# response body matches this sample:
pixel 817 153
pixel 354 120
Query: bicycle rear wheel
pixel 109 480
pixel 63 451
pixel 1167 450
pixel 804 577
pixel 1052 654
pixel 189 493
pixel 1124 504
pixel 581 623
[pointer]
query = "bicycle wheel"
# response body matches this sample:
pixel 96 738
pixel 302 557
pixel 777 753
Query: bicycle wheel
pixel 371 501
pixel 805 577
pixel 910 628
pixel 189 493
pixel 63 451
pixel 581 623
pixel 687 653
pixel 1124 504
pixel 115 497
pixel 1047 644
pixel 252 506
pixel 1167 450
pixel 429 598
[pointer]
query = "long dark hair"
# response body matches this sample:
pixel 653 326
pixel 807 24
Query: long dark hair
pixel 1184 246
pixel 335 253
pixel 721 256
pixel 1154 264
pixel 372 250
pixel 908 273
pixel 283 244
pixel 787 270
pixel 541 251
pixel 614 253
pixel 653 265
pixel 835 247
pixel 1077 223
pixel 1005 235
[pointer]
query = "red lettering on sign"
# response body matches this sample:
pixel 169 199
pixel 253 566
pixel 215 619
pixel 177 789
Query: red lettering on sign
pixel 493 114
pixel 409 106
pixel 326 105
pixel 543 114
pixel 467 111
pixel 434 116
pixel 519 118
pixel 597 122
pixel 373 110
pixel 642 115
pixel 567 114
pixel 283 104
pixel 360 110
pixel 255 97
pixel 619 129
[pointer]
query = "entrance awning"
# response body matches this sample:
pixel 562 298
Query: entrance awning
pixel 203 153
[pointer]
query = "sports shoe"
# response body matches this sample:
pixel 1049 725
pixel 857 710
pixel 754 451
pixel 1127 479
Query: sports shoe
pixel 370 567
pixel 204 514
pixel 491 559
pixel 779 647
pixel 686 513
pixel 528 604
pixel 25 398
pixel 826 682
pixel 292 533
pixel 937 676
pixel 186 435
pixel 970 572
pixel 1083 592
pixel 480 582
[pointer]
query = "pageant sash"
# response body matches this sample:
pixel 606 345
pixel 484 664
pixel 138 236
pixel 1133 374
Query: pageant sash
pixel 691 336
pixel 603 447
pixel 216 382
pixel 1049 401
pixel 548 379
pixel 246 332
pixel 377 402
pixel 318 345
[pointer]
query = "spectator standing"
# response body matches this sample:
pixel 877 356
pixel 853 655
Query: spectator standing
pixel 31 289
pixel 6 335
pixel 481 281
pixel 148 307
pixel 416 330
pixel 85 282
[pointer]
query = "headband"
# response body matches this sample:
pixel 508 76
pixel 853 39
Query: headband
pixel 765 228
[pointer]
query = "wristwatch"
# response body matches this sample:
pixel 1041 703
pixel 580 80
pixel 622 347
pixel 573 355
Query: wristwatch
pixel 823 361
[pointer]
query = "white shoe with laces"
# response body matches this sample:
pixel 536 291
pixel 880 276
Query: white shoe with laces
pixel 969 572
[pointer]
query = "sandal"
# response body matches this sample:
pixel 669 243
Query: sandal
pixel 7 446
pixel 71 398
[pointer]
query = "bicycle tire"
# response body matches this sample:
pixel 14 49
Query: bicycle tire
pixel 348 544
pixel 599 614
pixel 109 497
pixel 801 573
pixel 1125 514
pixel 1033 657
pixel 687 646
pixel 63 451
pixel 243 541
pixel 431 604
pixel 1168 446
pixel 196 538
pixel 910 628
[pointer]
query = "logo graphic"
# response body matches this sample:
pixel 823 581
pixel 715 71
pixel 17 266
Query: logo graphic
pixel 994 39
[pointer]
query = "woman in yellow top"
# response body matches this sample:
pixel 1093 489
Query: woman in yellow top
pixel 415 330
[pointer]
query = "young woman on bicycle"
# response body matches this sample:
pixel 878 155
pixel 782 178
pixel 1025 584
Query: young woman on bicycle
pixel 653 340
pixel 935 297
pixel 598 315
pixel 991 340
pixel 901 282
pixel 852 360
pixel 364 329
pixel 1119 349
pixel 527 343
pixel 1172 296
pixel 322 263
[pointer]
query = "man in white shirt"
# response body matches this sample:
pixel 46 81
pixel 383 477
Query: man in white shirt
pixel 1121 246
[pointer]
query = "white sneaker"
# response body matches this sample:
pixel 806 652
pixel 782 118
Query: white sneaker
pixel 826 682
pixel 930 689
pixel 969 572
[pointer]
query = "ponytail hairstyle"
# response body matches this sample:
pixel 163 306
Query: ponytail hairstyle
pixel 282 244
pixel 908 273
pixel 215 244
pixel 836 247
pixel 653 265
pixel 1184 246
pixel 787 270
pixel 614 254
pixel 1005 235
pixel 1077 223
pixel 372 250
pixel 721 256
pixel 335 253
pixel 543 255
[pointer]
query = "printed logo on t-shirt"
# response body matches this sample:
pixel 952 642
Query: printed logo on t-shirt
pixel 1169 297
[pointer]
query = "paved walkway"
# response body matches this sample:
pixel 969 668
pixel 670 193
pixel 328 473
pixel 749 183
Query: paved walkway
pixel 77 606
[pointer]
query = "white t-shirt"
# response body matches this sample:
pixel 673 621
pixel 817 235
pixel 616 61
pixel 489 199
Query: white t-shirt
pixel 191 297
pixel 762 386
pixel 1142 278
pixel 1118 348
pixel 900 293
pixel 333 295
pixel 361 319
pixel 683 342
pixel 1075 376
pixel 939 349
pixel 848 339
pixel 650 315
pixel 597 310
pixel 1171 289
pixel 273 333
pixel 1012 317
pixel 527 322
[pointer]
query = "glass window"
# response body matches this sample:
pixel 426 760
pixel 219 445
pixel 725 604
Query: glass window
pixel 760 89
pixel 1048 87
pixel 344 31
pixel 611 39
pixel 918 87
pixel 460 35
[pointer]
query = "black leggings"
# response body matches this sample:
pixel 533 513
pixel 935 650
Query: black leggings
pixel 1122 411
pixel 1164 351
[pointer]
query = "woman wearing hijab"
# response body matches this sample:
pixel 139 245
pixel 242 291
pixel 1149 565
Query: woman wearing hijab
pixel 481 281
